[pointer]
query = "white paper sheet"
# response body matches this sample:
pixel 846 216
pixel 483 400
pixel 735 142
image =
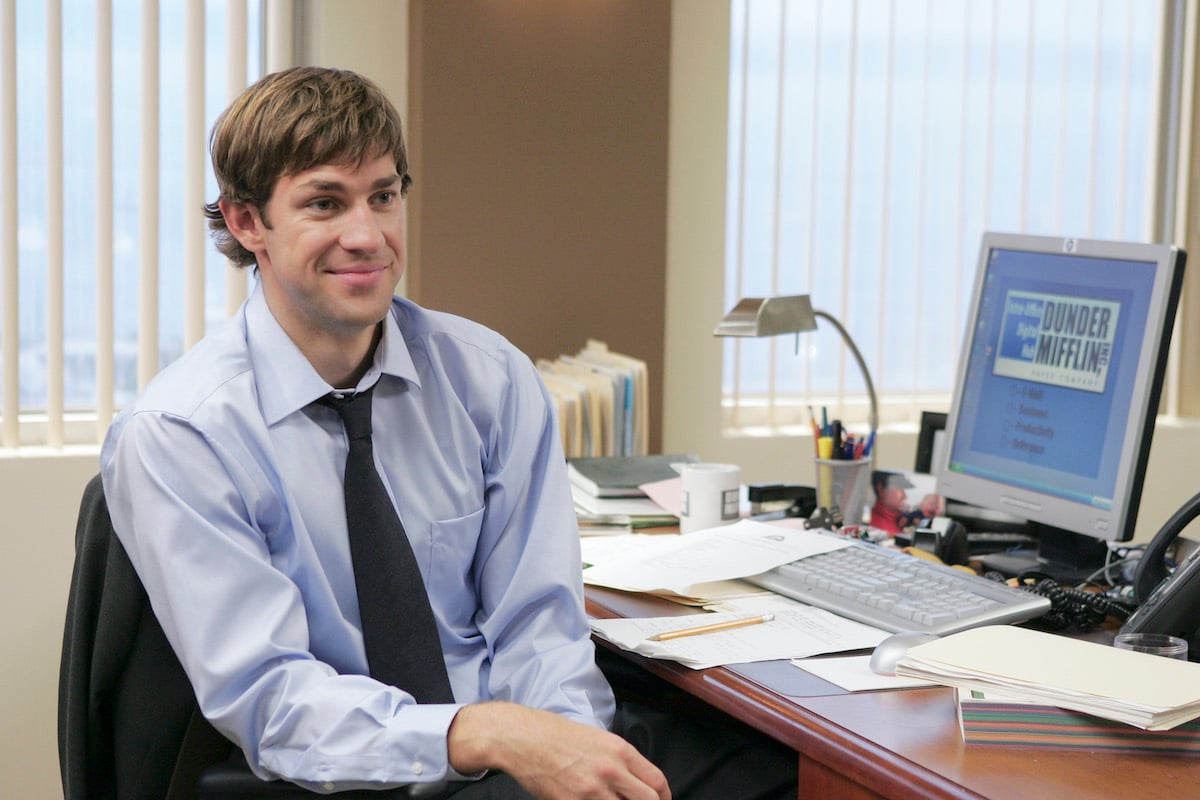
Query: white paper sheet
pixel 676 563
pixel 853 673
pixel 795 632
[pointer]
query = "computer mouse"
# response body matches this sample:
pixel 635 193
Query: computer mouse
pixel 887 653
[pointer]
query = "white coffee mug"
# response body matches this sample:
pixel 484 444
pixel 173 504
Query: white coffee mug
pixel 709 495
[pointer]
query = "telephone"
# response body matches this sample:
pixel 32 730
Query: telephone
pixel 1169 603
pixel 943 537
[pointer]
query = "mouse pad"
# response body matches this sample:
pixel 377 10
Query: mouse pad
pixel 780 676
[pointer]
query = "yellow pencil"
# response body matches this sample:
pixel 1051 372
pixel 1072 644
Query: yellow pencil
pixel 710 628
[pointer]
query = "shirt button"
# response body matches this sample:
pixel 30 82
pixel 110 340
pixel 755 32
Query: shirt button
pixel 417 768
pixel 328 786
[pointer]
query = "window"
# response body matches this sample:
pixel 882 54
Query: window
pixel 108 273
pixel 871 143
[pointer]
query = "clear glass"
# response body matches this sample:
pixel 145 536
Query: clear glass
pixel 1159 644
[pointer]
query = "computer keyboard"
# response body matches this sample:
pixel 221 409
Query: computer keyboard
pixel 892 590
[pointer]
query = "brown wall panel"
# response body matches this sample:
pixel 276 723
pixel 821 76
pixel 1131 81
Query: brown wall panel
pixel 538 131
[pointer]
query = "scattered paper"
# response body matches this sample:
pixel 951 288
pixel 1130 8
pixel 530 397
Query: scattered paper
pixel 706 595
pixel 795 632
pixel 665 493
pixel 760 603
pixel 676 563
pixel 853 673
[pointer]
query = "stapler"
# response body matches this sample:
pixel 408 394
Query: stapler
pixel 778 500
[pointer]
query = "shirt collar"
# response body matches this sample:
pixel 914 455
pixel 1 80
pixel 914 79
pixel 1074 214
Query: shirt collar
pixel 286 381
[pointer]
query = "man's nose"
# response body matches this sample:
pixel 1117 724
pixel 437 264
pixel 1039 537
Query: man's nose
pixel 361 229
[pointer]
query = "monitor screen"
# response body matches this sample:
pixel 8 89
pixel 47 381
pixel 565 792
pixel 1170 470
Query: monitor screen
pixel 1058 383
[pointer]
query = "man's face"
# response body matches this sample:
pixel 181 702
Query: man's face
pixel 891 496
pixel 334 251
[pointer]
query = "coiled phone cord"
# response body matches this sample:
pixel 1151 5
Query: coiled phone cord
pixel 1069 607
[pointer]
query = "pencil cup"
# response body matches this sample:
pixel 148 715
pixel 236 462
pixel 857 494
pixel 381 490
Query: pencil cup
pixel 842 486
pixel 709 497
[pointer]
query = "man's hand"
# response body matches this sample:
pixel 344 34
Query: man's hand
pixel 552 757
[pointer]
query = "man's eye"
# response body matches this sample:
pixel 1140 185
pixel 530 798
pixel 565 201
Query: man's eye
pixel 321 204
pixel 385 198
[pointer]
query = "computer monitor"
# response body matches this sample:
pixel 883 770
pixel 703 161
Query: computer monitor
pixel 1057 392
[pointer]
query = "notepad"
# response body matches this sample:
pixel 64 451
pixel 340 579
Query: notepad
pixel 1147 691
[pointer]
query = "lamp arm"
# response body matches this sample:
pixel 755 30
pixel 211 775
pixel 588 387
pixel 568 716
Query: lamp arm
pixel 873 418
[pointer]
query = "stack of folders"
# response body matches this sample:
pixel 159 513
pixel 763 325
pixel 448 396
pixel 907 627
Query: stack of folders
pixel 994 719
pixel 1029 666
pixel 602 401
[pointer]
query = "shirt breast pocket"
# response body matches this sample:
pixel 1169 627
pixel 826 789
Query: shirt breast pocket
pixel 453 543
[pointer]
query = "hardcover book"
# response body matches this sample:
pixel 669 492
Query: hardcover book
pixel 620 476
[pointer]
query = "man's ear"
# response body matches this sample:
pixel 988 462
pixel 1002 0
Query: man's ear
pixel 245 223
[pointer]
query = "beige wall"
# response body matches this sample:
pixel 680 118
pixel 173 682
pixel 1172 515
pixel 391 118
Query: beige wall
pixel 40 497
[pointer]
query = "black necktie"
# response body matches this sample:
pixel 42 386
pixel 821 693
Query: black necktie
pixel 399 631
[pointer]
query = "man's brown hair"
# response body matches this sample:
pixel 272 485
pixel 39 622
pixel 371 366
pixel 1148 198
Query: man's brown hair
pixel 290 121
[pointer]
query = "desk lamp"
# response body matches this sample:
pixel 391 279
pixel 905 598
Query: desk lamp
pixel 771 316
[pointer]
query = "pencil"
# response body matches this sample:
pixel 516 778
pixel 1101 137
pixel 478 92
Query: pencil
pixel 816 430
pixel 710 628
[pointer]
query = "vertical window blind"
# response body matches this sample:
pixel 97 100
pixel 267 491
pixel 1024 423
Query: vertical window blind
pixel 872 142
pixel 105 107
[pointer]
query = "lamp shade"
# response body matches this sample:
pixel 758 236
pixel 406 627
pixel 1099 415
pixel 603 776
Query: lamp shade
pixel 768 316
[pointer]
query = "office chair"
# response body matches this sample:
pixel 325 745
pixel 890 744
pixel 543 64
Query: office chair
pixel 129 725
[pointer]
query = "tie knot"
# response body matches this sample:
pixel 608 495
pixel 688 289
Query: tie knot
pixel 355 411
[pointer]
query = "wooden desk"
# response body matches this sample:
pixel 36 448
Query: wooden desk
pixel 900 744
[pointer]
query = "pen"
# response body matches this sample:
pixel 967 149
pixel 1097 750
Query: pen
pixel 870 443
pixel 710 628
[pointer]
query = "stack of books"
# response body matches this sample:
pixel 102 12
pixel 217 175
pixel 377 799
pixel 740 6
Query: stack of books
pixel 623 476
pixel 607 490
pixel 1029 687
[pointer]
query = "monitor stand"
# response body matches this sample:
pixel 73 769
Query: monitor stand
pixel 1065 556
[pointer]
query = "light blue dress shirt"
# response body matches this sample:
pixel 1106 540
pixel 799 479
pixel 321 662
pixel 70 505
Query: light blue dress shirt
pixel 225 486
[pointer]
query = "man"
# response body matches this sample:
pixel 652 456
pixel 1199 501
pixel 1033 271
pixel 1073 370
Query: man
pixel 224 483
